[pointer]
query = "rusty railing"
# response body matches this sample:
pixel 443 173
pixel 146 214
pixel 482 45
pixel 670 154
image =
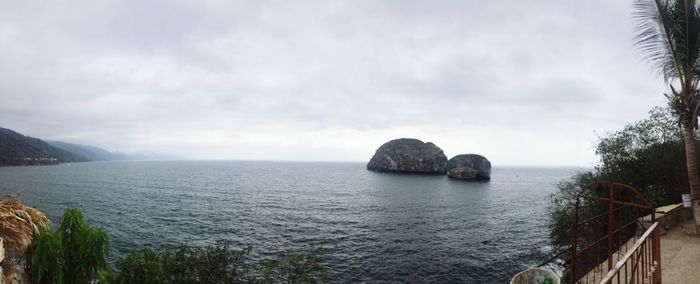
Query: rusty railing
pixel 641 264
pixel 606 228
pixel 609 227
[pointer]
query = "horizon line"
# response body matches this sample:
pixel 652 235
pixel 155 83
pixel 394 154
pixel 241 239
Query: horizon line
pixel 319 161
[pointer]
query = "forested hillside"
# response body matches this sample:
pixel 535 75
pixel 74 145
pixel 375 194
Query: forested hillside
pixel 17 149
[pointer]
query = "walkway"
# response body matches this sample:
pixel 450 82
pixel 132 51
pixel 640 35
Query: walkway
pixel 680 255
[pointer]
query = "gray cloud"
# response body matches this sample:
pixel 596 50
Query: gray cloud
pixel 324 80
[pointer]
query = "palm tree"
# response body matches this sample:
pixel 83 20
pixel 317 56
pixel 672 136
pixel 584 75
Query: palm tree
pixel 668 34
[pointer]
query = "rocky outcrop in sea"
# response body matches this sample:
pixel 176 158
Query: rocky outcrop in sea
pixel 469 167
pixel 407 155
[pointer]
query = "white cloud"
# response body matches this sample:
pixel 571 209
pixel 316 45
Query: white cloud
pixel 523 82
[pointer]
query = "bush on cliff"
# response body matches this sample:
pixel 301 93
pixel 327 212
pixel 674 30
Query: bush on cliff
pixel 214 264
pixel 72 254
pixel 294 268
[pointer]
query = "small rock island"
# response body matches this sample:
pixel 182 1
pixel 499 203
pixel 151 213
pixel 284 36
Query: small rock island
pixel 469 167
pixel 408 155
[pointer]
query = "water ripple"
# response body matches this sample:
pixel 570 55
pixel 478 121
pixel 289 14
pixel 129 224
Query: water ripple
pixel 372 227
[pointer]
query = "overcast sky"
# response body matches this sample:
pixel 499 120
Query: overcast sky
pixel 521 82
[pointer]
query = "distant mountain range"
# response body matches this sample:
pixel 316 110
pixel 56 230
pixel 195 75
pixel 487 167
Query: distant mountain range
pixel 91 153
pixel 18 149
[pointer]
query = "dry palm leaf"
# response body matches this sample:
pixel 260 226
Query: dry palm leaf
pixel 19 224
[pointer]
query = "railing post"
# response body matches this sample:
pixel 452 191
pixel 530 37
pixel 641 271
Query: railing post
pixel 574 244
pixel 644 253
pixel 647 247
pixel 656 251
pixel 611 204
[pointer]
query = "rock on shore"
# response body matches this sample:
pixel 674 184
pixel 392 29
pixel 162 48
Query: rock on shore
pixel 469 167
pixel 407 155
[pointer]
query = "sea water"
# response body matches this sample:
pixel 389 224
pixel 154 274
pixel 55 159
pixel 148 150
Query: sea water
pixel 370 227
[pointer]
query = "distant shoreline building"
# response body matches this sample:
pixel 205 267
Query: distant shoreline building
pixel 27 161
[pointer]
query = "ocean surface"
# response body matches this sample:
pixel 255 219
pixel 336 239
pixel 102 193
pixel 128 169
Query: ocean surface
pixel 371 227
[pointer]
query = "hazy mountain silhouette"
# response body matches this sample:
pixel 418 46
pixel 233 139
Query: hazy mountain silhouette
pixel 16 148
pixel 92 153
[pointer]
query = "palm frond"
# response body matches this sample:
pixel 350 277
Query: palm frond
pixel 652 38
pixel 19 224
pixel 668 35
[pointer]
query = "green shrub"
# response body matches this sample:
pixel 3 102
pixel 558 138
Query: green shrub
pixel 561 210
pixel 219 264
pixel 294 269
pixel 180 265
pixel 214 264
pixel 74 253
pixel 649 155
pixel 47 260
pixel 143 267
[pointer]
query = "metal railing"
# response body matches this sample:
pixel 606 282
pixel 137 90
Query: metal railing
pixel 607 222
pixel 641 263
pixel 609 227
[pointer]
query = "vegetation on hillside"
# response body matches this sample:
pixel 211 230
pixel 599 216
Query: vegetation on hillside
pixel 648 155
pixel 15 147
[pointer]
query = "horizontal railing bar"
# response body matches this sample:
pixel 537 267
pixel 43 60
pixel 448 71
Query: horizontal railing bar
pixel 587 247
pixel 606 236
pixel 618 185
pixel 618 202
pixel 604 214
pixel 645 237
pixel 554 257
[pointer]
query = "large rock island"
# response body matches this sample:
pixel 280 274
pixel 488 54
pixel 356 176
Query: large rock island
pixel 407 155
pixel 469 167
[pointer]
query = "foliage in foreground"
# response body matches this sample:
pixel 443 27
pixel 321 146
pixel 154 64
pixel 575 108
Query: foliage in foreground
pixel 213 264
pixel 294 268
pixel 76 253
pixel 72 254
